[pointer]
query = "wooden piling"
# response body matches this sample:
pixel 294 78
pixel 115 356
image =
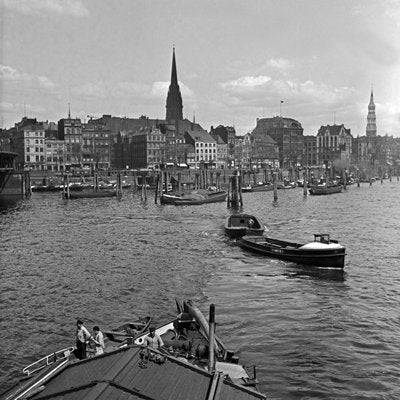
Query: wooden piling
pixel 135 181
pixel 275 187
pixel 305 183
pixel 119 185
pixel 157 188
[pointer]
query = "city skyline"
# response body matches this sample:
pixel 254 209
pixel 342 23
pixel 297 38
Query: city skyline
pixel 313 60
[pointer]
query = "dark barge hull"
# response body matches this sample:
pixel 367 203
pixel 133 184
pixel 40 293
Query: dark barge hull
pixel 289 251
pixel 321 190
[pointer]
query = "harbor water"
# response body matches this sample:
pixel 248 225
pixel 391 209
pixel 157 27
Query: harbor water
pixel 313 333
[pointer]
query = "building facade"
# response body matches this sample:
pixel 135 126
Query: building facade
pixel 204 146
pixel 96 146
pixel 148 147
pixel 70 130
pixel 334 146
pixel 287 134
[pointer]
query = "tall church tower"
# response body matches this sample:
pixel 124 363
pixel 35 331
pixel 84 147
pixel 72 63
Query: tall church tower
pixel 174 99
pixel 371 118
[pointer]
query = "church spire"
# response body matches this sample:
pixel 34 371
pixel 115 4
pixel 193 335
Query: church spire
pixel 371 118
pixel 174 99
pixel 174 75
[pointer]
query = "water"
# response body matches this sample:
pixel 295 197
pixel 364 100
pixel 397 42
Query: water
pixel 312 334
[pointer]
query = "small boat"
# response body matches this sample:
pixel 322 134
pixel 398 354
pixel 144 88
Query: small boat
pixel 263 187
pixel 195 197
pixel 322 252
pixel 286 185
pixel 238 225
pixel 325 189
pixel 247 189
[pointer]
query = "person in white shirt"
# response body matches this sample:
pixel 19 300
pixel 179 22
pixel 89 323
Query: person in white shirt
pixel 98 340
pixel 82 337
pixel 152 340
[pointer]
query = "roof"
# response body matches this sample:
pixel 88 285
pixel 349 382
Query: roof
pixel 333 130
pixel 123 375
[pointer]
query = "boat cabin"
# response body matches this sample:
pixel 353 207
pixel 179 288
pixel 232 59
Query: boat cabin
pixel 322 238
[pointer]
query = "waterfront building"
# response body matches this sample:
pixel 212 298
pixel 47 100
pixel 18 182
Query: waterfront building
pixel 203 146
pixel 264 151
pixel 228 135
pixel 70 130
pixel 96 146
pixel 334 146
pixel 242 158
pixel 33 137
pixel 310 156
pixel 55 149
pixel 148 148
pixel 222 153
pixel 287 134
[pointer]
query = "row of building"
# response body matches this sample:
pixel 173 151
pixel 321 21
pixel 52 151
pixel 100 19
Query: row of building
pixel 134 143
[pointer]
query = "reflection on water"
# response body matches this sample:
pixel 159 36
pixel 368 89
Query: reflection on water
pixel 313 333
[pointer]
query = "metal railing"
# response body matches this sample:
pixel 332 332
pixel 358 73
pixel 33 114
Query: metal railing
pixel 62 354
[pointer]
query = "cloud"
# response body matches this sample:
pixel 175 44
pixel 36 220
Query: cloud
pixel 11 75
pixel 74 8
pixel 279 63
pixel 160 89
pixel 246 82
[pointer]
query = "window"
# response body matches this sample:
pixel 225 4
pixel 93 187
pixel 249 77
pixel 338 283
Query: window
pixel 27 149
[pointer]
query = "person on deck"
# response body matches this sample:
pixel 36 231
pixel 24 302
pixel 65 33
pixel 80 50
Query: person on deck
pixel 82 337
pixel 152 340
pixel 98 340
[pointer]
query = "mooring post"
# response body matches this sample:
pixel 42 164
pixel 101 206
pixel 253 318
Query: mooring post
pixel 68 192
pixel 305 183
pixel 241 177
pixel 157 188
pixel 96 183
pixel 344 180
pixel 275 187
pixel 229 198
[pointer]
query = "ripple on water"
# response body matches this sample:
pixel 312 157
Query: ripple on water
pixel 314 334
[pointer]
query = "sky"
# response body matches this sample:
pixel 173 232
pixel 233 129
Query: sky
pixel 315 61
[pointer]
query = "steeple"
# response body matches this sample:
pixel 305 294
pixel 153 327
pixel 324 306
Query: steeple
pixel 371 118
pixel 174 99
pixel 69 111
